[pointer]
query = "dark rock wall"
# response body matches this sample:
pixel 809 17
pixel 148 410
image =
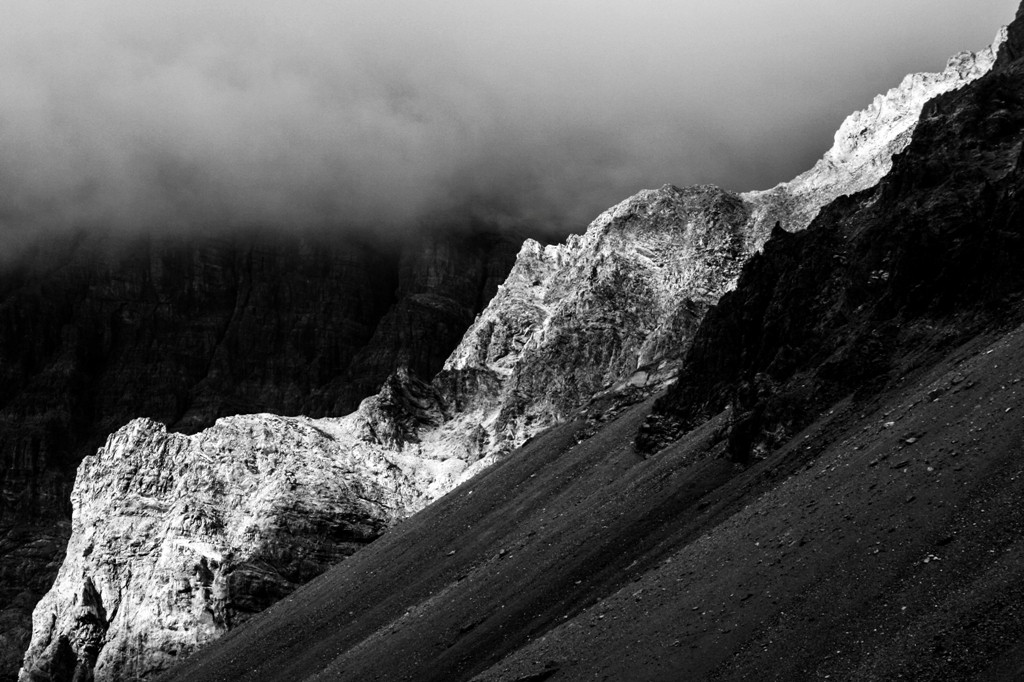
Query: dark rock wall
pixel 95 331
pixel 441 285
pixel 181 332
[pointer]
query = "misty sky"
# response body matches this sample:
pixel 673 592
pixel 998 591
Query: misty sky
pixel 381 113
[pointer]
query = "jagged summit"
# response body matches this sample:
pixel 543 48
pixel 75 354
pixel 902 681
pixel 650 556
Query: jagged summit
pixel 606 316
pixel 864 145
pixel 672 240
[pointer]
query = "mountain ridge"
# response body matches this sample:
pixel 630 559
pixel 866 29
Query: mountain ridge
pixel 606 301
pixel 876 536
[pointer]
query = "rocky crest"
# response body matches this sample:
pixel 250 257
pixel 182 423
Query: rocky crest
pixel 608 316
pixel 864 147
pixel 877 536
pixel 606 313
pixel 886 277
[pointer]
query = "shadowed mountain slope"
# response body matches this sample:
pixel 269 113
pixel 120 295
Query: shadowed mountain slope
pixel 175 543
pixel 571 561
pixel 832 488
pixel 927 258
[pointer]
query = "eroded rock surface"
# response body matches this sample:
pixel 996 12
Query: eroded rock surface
pixel 603 319
pixel 177 538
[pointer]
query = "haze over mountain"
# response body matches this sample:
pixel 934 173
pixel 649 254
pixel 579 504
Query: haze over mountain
pixel 177 540
pixel 115 113
pixel 377 122
pixel 831 490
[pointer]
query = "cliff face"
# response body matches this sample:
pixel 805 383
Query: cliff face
pixel 866 377
pixel 212 527
pixel 602 312
pixel 95 331
pixel 596 324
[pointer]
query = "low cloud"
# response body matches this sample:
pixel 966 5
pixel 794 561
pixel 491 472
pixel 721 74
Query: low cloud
pixel 375 116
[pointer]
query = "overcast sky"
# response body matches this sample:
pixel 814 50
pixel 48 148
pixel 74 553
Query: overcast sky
pixel 377 113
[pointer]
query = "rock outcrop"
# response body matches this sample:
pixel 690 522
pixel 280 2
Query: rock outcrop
pixel 864 146
pixel 605 312
pixel 604 320
pixel 97 330
pixel 177 538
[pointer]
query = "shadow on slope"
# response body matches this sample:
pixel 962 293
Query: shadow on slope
pixel 574 559
pixel 815 497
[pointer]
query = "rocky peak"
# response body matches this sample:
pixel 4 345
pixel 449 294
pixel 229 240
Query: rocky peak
pixel 671 240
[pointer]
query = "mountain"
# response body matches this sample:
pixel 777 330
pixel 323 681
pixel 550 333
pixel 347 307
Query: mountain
pixel 96 330
pixel 832 488
pixel 864 146
pixel 170 551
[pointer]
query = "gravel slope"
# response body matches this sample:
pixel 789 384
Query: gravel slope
pixel 882 542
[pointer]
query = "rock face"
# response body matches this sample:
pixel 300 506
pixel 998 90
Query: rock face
pixel 604 320
pixel 95 331
pixel 177 538
pixel 605 311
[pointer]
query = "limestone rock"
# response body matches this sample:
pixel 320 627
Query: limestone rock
pixel 177 538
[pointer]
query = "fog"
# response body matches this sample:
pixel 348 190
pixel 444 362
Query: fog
pixel 379 115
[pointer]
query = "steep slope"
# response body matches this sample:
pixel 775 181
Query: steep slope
pixel 605 319
pixel 95 331
pixel 847 552
pixel 840 499
pixel 924 259
pixel 129 551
